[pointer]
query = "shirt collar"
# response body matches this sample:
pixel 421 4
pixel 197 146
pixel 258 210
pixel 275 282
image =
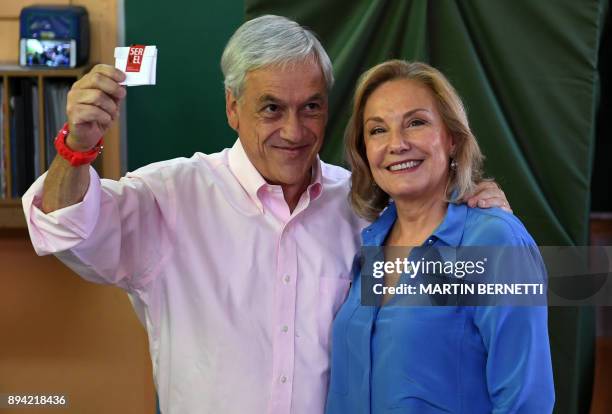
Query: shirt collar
pixel 376 233
pixel 245 172
pixel 251 180
pixel 450 231
pixel 316 181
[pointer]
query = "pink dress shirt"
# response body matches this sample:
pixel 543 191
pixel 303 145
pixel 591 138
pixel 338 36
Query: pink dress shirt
pixel 237 294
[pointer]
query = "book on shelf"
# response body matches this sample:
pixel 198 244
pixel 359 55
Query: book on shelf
pixel 56 95
pixel 35 128
pixel 22 151
pixel 22 136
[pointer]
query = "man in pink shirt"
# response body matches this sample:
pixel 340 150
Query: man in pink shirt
pixel 236 262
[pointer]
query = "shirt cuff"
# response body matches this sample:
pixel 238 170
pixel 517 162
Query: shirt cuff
pixel 65 228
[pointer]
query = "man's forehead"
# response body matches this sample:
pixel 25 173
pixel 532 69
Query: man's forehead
pixel 304 78
pixel 268 97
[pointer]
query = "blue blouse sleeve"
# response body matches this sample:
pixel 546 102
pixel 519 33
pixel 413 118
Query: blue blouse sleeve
pixel 518 369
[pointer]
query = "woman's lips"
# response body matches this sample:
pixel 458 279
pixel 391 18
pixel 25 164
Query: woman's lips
pixel 404 166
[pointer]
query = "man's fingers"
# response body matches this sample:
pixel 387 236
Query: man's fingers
pixel 118 100
pixel 95 97
pixel 488 200
pixel 500 202
pixel 97 80
pixel 89 113
pixel 483 185
pixel 473 199
pixel 487 196
pixel 488 192
pixel 110 71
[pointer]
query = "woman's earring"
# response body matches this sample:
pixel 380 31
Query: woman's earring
pixel 453 165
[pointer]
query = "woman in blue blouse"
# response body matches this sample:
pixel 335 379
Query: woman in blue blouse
pixel 409 141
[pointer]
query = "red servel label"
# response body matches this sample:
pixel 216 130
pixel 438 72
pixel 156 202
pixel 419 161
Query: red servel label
pixel 135 58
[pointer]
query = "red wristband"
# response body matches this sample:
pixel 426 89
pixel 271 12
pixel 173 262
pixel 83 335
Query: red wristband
pixel 76 158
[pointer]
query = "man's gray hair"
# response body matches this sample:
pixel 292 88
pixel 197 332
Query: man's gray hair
pixel 270 40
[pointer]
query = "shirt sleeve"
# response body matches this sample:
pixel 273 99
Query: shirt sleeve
pixel 119 234
pixel 519 368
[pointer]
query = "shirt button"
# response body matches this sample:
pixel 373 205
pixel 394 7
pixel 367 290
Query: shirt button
pixel 287 278
pixel 430 241
pixel 285 328
pixel 283 379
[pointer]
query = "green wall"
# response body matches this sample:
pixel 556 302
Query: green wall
pixel 185 111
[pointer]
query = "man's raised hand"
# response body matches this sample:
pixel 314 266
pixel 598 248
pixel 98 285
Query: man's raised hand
pixel 92 106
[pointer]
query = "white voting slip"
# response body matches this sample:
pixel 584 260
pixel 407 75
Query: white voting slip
pixel 139 63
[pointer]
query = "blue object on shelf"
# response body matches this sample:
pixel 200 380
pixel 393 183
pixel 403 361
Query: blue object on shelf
pixel 54 36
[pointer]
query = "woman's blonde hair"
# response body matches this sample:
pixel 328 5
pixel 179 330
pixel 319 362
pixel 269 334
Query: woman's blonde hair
pixel 366 197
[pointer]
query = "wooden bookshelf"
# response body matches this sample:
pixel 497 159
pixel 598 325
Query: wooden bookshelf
pixel 104 16
pixel 11 213
pixel 13 70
